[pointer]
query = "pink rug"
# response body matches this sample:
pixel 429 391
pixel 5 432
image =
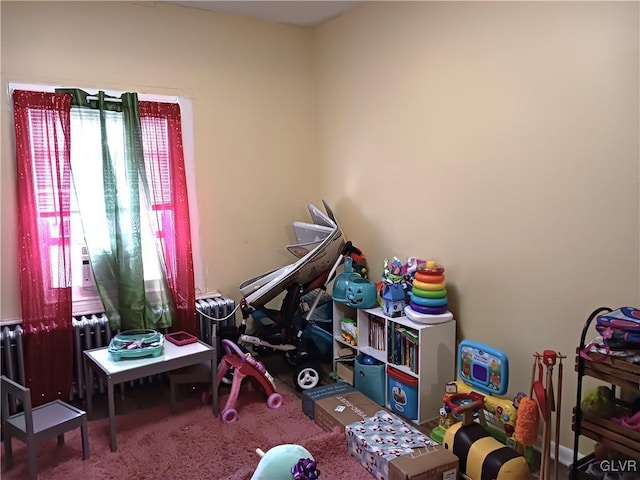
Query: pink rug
pixel 192 444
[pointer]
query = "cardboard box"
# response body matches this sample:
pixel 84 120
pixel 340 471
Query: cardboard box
pixel 345 372
pixel 343 409
pixel 311 396
pixel 391 449
pixel 428 463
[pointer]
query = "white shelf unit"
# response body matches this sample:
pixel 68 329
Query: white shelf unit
pixel 436 352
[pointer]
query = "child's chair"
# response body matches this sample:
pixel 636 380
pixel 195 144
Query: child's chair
pixel 33 425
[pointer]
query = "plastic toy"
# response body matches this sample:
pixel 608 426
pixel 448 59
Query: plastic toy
pixel 490 459
pixel 428 292
pixel 341 282
pixel 393 300
pixel 361 293
pixel 286 462
pixel 484 369
pixel 365 359
pixel 244 365
pixel 136 344
pixel 428 318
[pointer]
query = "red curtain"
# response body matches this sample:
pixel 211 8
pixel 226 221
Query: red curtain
pixel 164 165
pixel 42 130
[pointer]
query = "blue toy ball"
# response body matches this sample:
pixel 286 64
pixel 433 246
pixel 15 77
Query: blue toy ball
pixel 364 359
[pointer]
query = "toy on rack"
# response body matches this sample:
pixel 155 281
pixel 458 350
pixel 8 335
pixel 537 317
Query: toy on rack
pixel 483 457
pixel 244 365
pixel 286 462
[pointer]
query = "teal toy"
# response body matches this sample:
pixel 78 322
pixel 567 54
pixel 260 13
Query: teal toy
pixel 284 462
pixel 361 293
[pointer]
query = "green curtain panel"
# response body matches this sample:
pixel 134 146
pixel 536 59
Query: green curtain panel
pixel 112 191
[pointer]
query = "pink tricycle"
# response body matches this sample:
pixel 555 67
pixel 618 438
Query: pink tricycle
pixel 244 365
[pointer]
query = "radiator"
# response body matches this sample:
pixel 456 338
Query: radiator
pixel 93 331
pixel 12 357
pixel 89 331
pixel 217 307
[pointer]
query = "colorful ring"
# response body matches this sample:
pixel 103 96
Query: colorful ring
pixel 429 293
pixel 435 270
pixel 429 302
pixel 428 278
pixel 428 286
pixel 429 310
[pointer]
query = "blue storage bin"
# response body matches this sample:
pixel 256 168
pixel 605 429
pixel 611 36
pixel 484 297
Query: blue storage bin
pixel 403 393
pixel 370 380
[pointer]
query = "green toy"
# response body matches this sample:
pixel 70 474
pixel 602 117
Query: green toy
pixel 598 402
pixel 285 462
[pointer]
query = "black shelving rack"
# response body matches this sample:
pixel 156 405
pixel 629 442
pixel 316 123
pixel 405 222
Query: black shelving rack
pixel 616 372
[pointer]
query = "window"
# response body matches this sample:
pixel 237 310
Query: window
pixel 86 162
pixel 86 165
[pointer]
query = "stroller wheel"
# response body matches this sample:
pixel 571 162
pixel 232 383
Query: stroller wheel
pixel 290 359
pixel 306 377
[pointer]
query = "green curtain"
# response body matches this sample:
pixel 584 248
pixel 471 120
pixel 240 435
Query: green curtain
pixel 109 178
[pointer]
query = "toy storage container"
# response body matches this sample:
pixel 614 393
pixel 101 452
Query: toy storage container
pixel 370 379
pixel 403 393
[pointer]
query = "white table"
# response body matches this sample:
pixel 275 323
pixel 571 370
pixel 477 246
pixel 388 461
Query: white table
pixel 124 370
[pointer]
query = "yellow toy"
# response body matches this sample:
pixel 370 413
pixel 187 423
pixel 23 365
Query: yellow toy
pixel 482 457
pixel 502 410
pixel 482 368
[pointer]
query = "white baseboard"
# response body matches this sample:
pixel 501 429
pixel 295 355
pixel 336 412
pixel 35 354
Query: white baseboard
pixel 565 454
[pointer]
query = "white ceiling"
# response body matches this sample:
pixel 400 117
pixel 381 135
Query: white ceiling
pixel 299 13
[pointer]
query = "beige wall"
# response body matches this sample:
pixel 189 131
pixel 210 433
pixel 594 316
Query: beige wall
pixel 251 90
pixel 500 139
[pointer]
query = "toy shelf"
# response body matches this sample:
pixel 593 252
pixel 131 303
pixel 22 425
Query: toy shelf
pixel 430 360
pixel 618 373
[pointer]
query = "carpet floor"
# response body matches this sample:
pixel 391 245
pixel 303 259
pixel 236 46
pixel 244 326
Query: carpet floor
pixel 191 444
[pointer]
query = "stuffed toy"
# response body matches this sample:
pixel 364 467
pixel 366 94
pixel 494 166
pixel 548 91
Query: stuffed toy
pixel 286 462
pixel 599 402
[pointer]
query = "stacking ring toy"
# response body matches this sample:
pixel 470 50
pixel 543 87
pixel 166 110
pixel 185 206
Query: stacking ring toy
pixel 428 286
pixel 431 268
pixel 429 302
pixel 429 310
pixel 429 293
pixel 427 278
pixel 429 319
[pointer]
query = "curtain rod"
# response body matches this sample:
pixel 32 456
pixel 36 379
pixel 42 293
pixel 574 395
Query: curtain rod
pixel 114 100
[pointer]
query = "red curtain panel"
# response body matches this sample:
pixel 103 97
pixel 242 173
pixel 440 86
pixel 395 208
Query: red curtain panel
pixel 164 165
pixel 42 131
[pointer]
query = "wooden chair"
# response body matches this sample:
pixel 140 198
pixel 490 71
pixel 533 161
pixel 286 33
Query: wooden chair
pixel 33 425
